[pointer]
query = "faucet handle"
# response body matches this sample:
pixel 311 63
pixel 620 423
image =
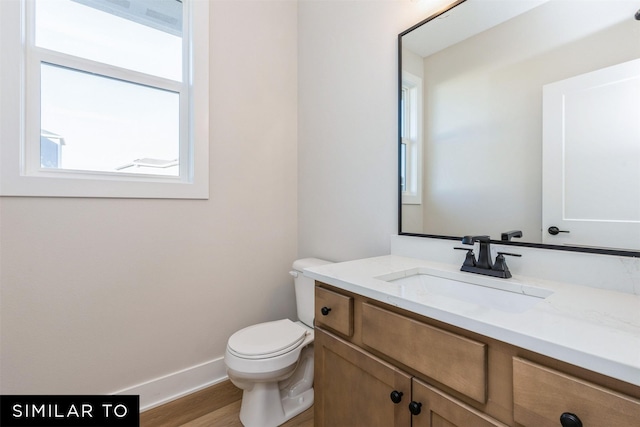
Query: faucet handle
pixel 501 264
pixel 509 254
pixel 470 259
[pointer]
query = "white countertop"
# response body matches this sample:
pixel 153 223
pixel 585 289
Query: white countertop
pixel 593 328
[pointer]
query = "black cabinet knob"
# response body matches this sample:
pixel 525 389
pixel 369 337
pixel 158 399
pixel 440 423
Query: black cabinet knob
pixel 414 407
pixel 325 310
pixel 396 396
pixel 567 419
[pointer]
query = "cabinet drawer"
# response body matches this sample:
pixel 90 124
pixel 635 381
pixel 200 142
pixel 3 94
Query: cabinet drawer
pixel 541 395
pixel 334 311
pixel 453 360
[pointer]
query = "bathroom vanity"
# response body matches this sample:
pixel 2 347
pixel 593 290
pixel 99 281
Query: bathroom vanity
pixel 402 341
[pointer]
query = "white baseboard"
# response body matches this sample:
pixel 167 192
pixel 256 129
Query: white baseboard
pixel 178 384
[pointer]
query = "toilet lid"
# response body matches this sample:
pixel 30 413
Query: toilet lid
pixel 268 339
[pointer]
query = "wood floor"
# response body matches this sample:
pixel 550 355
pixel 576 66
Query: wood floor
pixel 216 406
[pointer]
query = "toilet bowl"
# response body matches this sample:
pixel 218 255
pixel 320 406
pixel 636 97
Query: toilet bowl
pixel 272 394
pixel 272 362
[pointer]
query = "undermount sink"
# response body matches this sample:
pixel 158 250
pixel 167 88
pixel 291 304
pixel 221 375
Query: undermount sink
pixel 498 294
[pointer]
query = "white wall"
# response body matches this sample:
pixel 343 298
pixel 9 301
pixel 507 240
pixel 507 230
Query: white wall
pixel 99 295
pixel 347 136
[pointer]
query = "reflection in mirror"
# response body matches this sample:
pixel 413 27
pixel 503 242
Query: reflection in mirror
pixel 524 115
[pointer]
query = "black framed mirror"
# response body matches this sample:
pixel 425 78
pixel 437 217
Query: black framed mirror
pixel 523 116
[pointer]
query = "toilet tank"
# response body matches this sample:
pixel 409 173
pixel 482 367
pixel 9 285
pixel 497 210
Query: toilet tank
pixel 304 288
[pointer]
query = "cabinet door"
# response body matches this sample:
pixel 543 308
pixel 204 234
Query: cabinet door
pixel 440 410
pixel 353 388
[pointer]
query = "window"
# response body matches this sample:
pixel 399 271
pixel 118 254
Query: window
pixel 104 98
pixel 411 139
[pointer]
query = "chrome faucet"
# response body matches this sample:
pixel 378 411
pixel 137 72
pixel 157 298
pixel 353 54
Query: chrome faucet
pixel 484 264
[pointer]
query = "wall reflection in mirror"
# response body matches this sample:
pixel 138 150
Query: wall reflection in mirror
pixel 523 115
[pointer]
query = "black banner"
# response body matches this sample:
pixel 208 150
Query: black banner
pixel 69 411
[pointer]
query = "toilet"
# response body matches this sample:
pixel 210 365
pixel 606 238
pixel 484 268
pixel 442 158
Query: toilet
pixel 272 362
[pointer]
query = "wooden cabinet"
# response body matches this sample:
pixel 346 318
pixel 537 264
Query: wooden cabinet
pixel 354 387
pixel 369 354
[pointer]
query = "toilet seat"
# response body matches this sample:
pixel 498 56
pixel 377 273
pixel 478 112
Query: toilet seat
pixel 266 340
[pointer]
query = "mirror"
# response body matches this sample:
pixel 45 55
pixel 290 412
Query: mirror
pixel 523 115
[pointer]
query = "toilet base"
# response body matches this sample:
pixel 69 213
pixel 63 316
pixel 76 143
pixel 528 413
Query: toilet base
pixel 270 404
pixel 260 409
pixel 296 405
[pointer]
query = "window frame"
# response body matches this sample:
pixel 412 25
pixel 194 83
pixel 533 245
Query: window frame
pixel 412 138
pixel 21 174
